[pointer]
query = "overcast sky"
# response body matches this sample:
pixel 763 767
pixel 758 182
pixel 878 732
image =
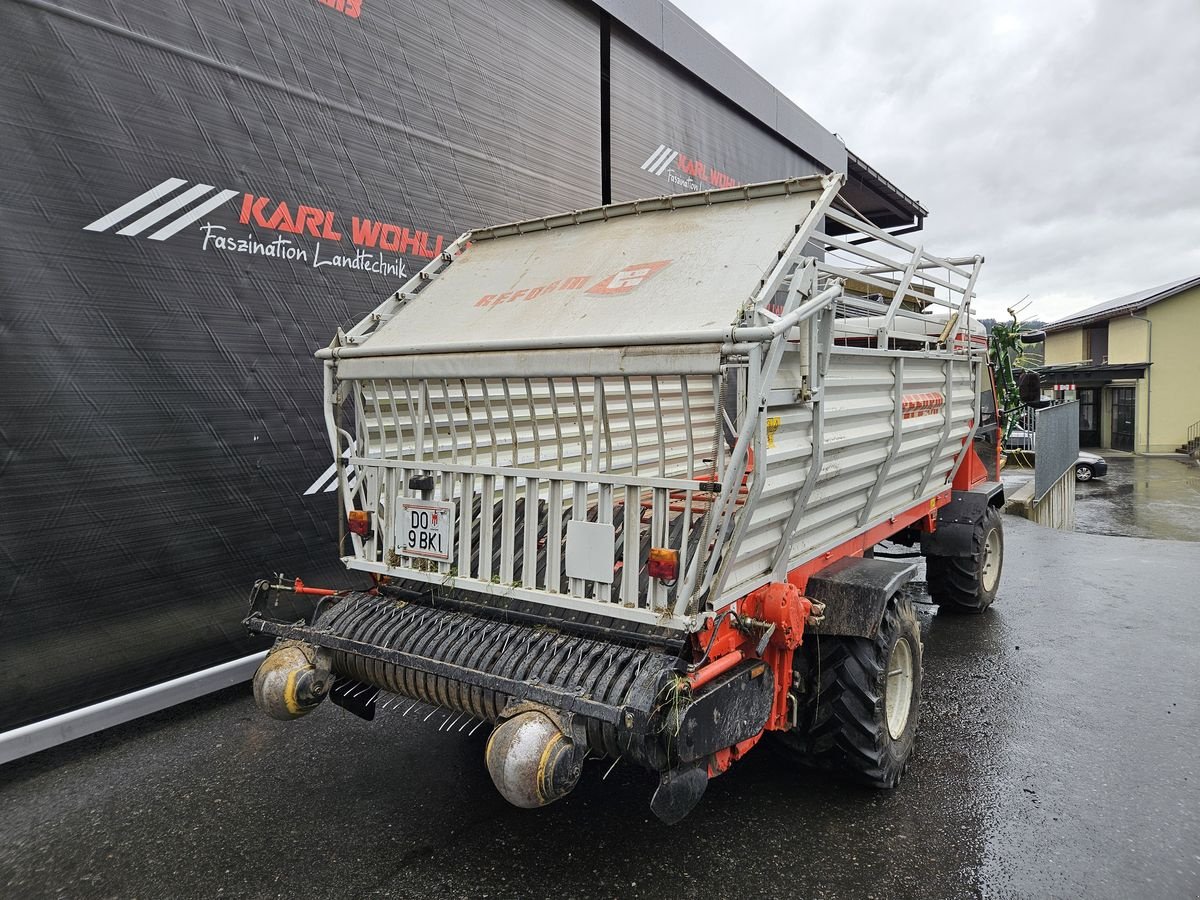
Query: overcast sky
pixel 1059 138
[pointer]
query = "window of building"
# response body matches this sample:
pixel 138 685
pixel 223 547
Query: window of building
pixel 1095 342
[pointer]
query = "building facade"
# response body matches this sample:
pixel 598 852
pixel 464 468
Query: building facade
pixel 1132 363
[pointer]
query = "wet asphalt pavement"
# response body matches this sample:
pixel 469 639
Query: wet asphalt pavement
pixel 1154 497
pixel 1140 496
pixel 1056 758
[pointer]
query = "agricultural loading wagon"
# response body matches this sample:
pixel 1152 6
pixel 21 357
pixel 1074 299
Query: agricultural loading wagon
pixel 617 476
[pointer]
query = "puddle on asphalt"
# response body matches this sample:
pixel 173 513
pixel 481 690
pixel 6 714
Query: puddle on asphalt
pixel 1146 497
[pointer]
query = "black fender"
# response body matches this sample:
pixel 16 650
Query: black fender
pixel 957 520
pixel 855 592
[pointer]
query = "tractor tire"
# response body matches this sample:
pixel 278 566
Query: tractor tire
pixel 968 584
pixel 863 701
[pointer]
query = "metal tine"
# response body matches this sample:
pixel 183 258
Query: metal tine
pixel 601 423
pixel 476 728
pixel 583 452
pixel 610 768
pixel 554 414
pixel 364 424
pixel 535 424
pixel 397 419
pixel 378 417
pixel 411 708
pixel 466 723
pixel 512 420
pixel 450 418
pixel 412 416
pixel 491 420
pixel 469 414
pixel 452 724
pixel 427 396
pixel 431 712
pixel 658 418
pixel 629 411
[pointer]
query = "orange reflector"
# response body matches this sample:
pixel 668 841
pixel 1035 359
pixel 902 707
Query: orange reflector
pixel 664 564
pixel 359 522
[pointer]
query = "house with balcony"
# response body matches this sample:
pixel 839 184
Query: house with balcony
pixel 1133 363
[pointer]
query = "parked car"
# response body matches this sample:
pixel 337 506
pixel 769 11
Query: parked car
pixel 1087 466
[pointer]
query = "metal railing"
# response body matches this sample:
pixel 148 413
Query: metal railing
pixel 891 283
pixel 511 529
pixel 522 458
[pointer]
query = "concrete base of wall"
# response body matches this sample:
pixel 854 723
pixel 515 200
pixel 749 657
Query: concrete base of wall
pixel 1055 510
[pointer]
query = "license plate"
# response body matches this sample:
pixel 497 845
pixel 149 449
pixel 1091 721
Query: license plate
pixel 425 528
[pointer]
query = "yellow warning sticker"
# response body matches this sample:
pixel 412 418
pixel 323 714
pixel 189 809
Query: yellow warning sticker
pixel 772 427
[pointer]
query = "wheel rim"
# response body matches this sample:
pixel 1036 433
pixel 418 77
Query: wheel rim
pixel 898 697
pixel 991 561
pixel 1082 473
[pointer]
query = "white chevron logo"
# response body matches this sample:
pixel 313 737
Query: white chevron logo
pixel 328 481
pixel 658 161
pixel 161 203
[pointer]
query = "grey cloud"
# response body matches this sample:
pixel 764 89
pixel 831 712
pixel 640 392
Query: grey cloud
pixel 1060 138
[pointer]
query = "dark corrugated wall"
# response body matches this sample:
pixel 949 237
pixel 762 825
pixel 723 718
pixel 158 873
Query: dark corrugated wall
pixel 274 168
pixel 669 134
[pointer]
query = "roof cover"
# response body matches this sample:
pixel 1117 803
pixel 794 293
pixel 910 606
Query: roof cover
pixel 1091 373
pixel 672 266
pixel 1127 304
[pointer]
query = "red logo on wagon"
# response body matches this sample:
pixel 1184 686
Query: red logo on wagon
pixel 629 278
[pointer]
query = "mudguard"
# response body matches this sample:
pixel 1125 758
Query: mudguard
pixel 855 592
pixel 957 520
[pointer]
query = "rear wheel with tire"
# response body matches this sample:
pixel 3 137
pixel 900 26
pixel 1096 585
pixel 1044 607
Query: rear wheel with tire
pixel 969 583
pixel 863 700
pixel 1083 472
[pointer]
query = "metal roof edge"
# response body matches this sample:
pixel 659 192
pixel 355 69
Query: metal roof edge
pixel 859 168
pixel 1087 368
pixel 1102 313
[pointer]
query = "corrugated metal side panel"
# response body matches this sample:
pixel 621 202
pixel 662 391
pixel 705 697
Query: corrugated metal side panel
pixel 670 134
pixel 859 415
pixel 161 400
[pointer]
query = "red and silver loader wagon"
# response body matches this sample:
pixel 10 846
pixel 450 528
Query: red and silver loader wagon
pixel 617 476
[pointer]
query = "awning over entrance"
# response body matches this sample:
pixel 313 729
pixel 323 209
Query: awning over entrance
pixel 1091 375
